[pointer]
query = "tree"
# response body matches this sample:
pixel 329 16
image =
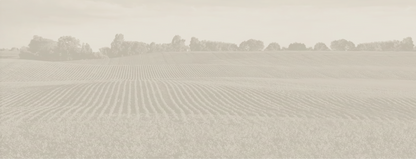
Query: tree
pixel 365 47
pixel 126 48
pixel 42 47
pixel 297 46
pixel 68 48
pixel 244 46
pixel 178 44
pixel 273 47
pixel 228 47
pixel 86 52
pixel 37 43
pixel 211 46
pixel 342 45
pixel 350 46
pixel 133 48
pixel 152 47
pixel 195 44
pixel 406 44
pixel 320 47
pixel 251 45
pixel 116 45
pixel 139 48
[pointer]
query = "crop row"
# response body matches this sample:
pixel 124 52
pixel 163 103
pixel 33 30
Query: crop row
pixel 45 71
pixel 177 98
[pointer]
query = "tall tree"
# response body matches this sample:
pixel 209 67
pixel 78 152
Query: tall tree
pixel 195 44
pixel 86 52
pixel 68 48
pixel 126 48
pixel 117 45
pixel 152 47
pixel 178 44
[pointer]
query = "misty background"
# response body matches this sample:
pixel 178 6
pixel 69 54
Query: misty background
pixel 285 21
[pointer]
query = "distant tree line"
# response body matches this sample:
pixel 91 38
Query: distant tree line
pixel 66 48
pixel 70 48
pixel 405 45
pixel 204 45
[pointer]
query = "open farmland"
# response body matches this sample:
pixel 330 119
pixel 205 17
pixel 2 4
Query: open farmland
pixel 223 104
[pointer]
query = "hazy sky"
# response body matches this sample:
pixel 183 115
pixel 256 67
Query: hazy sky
pixel 283 21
